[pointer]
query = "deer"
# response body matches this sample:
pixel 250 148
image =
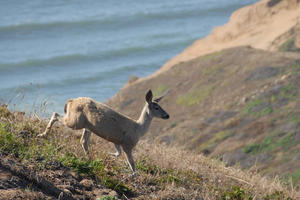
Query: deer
pixel 98 118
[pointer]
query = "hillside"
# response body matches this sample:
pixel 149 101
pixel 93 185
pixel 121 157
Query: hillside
pixel 55 168
pixel 233 133
pixel 239 105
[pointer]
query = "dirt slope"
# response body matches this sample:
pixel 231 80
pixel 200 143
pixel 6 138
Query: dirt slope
pixel 240 105
pixel 23 181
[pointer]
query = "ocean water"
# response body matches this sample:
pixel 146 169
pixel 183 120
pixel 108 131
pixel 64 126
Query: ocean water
pixel 54 50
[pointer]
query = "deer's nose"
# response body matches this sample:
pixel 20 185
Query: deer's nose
pixel 166 117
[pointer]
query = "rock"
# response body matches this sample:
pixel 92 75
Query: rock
pixel 244 100
pixel 72 174
pixel 100 193
pixel 88 184
pixel 54 165
pixel 113 193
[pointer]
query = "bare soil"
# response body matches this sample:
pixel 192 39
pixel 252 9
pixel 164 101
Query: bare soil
pixel 23 181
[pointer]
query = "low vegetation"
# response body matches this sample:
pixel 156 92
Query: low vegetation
pixel 179 175
pixel 240 106
pixel 195 96
pixel 289 45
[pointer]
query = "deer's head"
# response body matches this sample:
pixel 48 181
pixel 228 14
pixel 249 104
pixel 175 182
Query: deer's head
pixel 154 108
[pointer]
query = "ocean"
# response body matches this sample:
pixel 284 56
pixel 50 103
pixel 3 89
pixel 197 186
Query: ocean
pixel 51 51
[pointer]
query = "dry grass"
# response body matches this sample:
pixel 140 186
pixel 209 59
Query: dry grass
pixel 199 176
pixel 214 175
pixel 162 172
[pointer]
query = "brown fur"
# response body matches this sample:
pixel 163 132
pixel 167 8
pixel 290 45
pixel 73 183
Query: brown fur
pixel 92 116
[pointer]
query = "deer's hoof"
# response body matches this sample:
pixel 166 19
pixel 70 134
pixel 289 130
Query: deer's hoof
pixel 116 154
pixel 134 174
pixel 41 135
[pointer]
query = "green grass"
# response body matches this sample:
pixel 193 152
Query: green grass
pixel 289 45
pixel 146 167
pixel 116 185
pixel 210 70
pixel 95 168
pixel 83 167
pixel 211 143
pixel 251 105
pixel 108 198
pixel 264 146
pixel 295 68
pixel 286 142
pixel 264 111
pixel 236 193
pixel 277 195
pixel 195 96
pixel 294 176
pixel 265 106
pixel 288 91
pixel 9 143
pixel 19 140
pixel 294 117
pixel 213 55
pixel 272 143
pixel 164 176
pixel 160 89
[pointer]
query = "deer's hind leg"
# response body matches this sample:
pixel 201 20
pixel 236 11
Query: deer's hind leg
pixel 84 141
pixel 55 117
pixel 118 151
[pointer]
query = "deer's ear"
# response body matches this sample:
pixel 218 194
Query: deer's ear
pixel 158 99
pixel 162 96
pixel 149 96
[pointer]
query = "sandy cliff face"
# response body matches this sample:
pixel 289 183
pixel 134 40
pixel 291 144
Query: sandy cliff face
pixel 256 25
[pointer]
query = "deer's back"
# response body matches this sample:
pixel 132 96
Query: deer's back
pixel 103 120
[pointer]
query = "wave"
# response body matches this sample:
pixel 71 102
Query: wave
pixel 121 21
pixel 84 58
pixel 109 74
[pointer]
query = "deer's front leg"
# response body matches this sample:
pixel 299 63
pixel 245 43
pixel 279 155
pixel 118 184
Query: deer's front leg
pixel 84 141
pixel 129 157
pixel 55 117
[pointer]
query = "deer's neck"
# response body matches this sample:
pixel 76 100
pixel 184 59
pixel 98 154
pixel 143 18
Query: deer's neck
pixel 144 120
